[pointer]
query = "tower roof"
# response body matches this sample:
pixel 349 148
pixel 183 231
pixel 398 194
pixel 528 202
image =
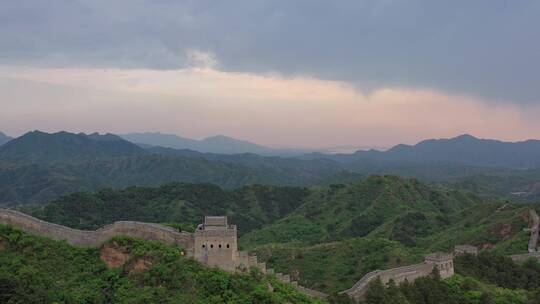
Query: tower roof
pixel 215 221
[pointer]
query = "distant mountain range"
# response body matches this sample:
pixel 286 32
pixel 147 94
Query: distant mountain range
pixel 38 166
pixel 219 144
pixel 4 138
pixel 464 149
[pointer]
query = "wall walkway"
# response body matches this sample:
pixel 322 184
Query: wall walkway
pixel 96 237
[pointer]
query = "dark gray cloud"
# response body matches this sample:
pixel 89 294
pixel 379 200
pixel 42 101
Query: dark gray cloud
pixel 489 48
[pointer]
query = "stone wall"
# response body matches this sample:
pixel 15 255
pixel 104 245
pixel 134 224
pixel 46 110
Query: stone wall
pixel 228 258
pixel 519 258
pixel 410 273
pixel 240 259
pixel 246 261
pixel 96 238
pixel 533 241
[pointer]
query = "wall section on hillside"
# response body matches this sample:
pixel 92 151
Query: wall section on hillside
pixel 97 237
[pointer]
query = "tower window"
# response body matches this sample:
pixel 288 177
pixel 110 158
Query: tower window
pixel 203 246
pixel 212 246
pixel 219 245
pixel 227 245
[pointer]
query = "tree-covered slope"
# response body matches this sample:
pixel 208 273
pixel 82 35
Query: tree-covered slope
pixel 39 270
pixel 39 167
pixel 332 266
pixel 64 147
pixel 249 207
pixel 367 207
pixel 35 183
pixel 343 232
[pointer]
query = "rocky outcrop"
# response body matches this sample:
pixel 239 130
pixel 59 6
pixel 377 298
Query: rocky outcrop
pixel 114 256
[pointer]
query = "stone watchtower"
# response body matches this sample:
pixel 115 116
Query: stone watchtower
pixel 216 243
pixel 444 262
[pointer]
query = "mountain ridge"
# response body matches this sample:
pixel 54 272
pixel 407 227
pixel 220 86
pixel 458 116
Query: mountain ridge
pixel 464 149
pixel 4 138
pixel 220 144
pixel 41 147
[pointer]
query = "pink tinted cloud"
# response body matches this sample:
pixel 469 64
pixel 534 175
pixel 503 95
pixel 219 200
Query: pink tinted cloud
pixel 268 109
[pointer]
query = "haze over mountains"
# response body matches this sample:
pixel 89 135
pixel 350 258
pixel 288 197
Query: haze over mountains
pixel 38 166
pixel 215 144
pixel 464 149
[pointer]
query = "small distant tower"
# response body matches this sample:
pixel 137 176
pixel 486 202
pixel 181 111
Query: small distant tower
pixel 444 262
pixel 216 243
pixel 465 249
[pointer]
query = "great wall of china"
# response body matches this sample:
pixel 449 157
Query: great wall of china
pixel 443 262
pixel 533 240
pixel 214 244
pixel 150 231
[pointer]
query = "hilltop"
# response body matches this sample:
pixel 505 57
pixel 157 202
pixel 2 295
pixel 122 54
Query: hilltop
pixel 367 207
pixel 4 138
pixel 63 147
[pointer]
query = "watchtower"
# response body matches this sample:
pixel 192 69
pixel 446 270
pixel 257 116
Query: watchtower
pixel 216 243
pixel 444 262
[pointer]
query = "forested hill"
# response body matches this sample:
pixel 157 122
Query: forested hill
pixel 40 167
pixel 249 207
pixel 301 214
pixel 63 147
pixel 376 204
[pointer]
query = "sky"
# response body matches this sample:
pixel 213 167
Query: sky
pixel 302 73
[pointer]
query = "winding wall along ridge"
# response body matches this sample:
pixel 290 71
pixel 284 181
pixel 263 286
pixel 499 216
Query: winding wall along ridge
pixel 169 235
pixel 95 238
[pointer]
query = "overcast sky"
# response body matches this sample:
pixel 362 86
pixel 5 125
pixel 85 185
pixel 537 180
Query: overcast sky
pixel 303 73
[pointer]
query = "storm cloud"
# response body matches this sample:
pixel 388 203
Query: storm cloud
pixel 485 48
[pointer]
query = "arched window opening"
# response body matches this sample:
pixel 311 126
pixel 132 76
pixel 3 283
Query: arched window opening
pixel 203 246
pixel 227 245
pixel 212 246
pixel 219 245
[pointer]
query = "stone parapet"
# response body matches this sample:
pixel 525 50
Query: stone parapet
pixel 97 237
